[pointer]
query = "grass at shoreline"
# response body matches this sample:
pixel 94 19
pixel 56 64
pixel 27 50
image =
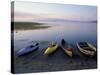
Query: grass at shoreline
pixel 28 25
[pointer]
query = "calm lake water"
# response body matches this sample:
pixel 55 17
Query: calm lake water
pixel 37 62
pixel 72 32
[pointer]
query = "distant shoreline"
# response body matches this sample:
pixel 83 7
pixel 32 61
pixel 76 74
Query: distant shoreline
pixel 27 26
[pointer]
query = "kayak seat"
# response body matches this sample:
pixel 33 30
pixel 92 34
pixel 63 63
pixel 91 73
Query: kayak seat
pixel 31 46
pixel 69 49
pixel 83 45
pixel 52 45
pixel 88 48
pixel 37 43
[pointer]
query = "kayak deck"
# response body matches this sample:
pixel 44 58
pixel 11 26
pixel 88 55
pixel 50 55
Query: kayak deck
pixel 27 50
pixel 50 50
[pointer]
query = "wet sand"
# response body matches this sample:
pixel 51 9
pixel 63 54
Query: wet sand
pixel 58 61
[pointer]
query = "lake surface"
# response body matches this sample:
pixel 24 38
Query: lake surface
pixel 72 32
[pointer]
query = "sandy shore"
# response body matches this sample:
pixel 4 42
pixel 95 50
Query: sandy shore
pixel 37 62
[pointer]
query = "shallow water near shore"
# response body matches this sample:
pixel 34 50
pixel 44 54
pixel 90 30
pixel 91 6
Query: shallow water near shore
pixel 58 61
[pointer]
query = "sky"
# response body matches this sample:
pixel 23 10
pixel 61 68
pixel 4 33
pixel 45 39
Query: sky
pixel 32 11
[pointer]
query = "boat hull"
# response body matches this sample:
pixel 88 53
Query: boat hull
pixel 87 52
pixel 69 53
pixel 25 51
pixel 50 50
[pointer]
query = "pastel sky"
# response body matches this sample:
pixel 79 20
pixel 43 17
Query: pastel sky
pixel 29 11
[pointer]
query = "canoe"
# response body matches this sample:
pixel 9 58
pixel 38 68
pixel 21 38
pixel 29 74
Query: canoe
pixel 52 48
pixel 66 48
pixel 86 48
pixel 28 49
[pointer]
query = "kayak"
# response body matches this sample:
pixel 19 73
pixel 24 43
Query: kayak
pixel 86 48
pixel 28 49
pixel 52 48
pixel 66 48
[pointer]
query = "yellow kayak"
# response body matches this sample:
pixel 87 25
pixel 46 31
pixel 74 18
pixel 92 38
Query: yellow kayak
pixel 52 48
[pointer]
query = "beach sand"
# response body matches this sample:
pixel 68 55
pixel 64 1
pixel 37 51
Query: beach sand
pixel 58 61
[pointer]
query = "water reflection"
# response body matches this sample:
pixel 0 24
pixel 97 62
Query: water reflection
pixel 71 32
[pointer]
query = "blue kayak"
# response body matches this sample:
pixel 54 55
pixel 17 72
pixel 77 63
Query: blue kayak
pixel 28 49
